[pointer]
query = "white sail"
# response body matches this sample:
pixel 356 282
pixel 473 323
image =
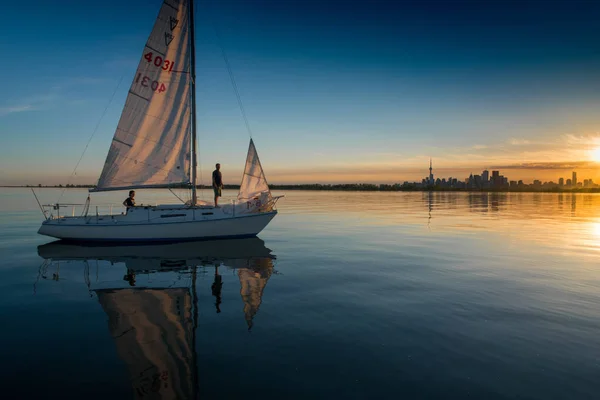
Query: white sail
pixel 151 146
pixel 253 182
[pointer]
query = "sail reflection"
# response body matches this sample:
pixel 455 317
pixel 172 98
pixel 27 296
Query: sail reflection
pixel 153 330
pixel 253 281
pixel 154 326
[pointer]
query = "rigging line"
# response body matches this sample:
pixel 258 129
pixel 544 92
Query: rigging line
pixel 92 136
pixel 232 78
pixel 198 159
pixel 174 194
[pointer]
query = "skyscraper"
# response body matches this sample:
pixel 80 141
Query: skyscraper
pixel 561 181
pixel 485 176
pixel 574 180
pixel 431 181
pixel 496 179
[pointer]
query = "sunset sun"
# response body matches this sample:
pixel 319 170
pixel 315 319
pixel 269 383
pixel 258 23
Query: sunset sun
pixel 595 154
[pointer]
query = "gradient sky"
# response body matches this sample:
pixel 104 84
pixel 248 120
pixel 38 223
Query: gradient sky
pixel 335 91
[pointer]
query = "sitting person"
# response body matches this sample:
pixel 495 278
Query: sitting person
pixel 130 201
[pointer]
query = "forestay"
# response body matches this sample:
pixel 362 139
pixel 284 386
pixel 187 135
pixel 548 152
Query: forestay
pixel 151 146
pixel 253 182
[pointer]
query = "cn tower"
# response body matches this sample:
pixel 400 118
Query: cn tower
pixel 430 172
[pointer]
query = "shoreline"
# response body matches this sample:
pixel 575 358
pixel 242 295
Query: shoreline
pixel 358 188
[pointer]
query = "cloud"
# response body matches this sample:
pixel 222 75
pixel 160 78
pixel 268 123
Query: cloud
pixel 479 147
pixel 519 142
pixel 548 165
pixel 582 141
pixel 41 101
pixel 15 109
pixel 31 103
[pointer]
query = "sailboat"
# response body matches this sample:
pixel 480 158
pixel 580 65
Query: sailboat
pixel 154 323
pixel 154 146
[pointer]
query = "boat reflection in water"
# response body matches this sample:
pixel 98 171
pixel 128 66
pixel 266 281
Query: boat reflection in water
pixel 154 324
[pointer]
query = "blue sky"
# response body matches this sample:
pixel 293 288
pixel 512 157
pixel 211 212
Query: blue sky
pixel 334 91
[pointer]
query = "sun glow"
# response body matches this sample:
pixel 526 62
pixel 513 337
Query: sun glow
pixel 595 154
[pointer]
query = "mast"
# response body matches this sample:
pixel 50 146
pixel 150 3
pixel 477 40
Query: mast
pixel 194 162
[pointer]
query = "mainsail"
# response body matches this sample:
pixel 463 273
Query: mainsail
pixel 151 146
pixel 253 182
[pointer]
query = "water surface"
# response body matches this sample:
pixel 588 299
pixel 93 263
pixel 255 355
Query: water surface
pixel 344 295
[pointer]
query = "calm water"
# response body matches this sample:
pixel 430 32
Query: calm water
pixel 346 295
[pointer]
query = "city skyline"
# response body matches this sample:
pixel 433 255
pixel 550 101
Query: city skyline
pixel 498 181
pixel 334 92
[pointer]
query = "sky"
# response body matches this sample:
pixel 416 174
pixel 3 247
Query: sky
pixel 334 91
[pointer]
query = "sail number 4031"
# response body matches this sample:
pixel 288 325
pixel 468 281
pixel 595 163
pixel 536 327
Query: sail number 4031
pixel 166 65
pixel 152 84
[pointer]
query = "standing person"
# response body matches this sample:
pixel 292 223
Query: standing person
pixel 217 183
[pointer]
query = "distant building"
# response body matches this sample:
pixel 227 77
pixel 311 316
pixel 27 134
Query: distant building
pixel 485 176
pixel 561 181
pixel 498 181
pixel 431 181
pixel 574 180
pixel 568 182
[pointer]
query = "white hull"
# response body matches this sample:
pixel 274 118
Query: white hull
pixel 163 224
